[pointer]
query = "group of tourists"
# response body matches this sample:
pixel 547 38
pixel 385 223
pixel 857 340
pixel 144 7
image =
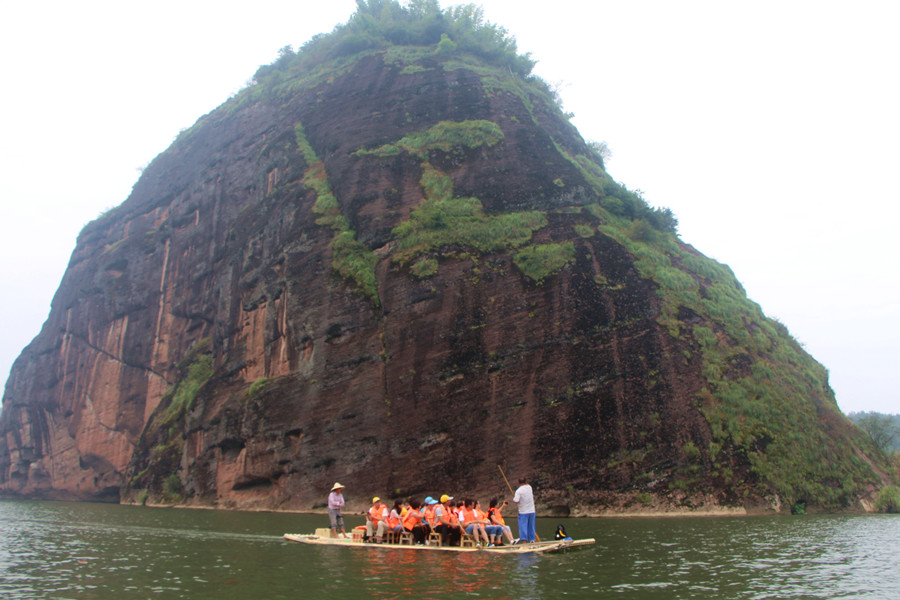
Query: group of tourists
pixel 445 516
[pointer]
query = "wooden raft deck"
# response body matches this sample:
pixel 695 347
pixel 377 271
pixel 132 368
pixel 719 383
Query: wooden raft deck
pixel 349 542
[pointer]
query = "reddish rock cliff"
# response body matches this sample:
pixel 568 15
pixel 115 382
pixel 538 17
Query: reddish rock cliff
pixel 228 337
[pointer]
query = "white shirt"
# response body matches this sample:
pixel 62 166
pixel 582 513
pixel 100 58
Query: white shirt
pixel 525 499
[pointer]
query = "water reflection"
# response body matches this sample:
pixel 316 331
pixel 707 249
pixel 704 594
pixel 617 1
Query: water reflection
pixel 422 574
pixel 526 577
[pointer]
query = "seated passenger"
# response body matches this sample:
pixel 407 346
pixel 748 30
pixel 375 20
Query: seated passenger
pixel 447 522
pixel 428 508
pixel 376 521
pixel 472 524
pixel 496 517
pixel 494 532
pixel 394 518
pixel 414 522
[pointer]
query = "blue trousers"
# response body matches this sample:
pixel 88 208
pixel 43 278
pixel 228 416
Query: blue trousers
pixel 526 527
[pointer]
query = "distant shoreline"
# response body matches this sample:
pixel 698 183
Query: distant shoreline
pixel 642 514
pixel 711 512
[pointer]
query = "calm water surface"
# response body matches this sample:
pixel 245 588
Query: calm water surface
pixel 70 550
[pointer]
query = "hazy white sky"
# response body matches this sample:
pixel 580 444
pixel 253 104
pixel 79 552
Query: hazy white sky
pixel 772 129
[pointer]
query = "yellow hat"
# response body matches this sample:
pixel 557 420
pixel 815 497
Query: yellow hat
pixel 337 486
pixel 375 499
pixel 446 498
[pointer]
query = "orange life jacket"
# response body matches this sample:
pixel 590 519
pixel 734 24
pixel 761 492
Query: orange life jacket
pixel 449 515
pixel 411 519
pixel 468 516
pixel 497 516
pixel 393 521
pixel 377 513
pixel 429 515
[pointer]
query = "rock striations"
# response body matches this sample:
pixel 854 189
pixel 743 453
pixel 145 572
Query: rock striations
pixel 398 266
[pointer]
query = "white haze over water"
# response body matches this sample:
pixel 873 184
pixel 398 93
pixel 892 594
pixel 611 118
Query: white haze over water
pixel 770 128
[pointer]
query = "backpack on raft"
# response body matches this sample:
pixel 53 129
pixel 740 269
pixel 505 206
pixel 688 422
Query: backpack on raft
pixel 561 533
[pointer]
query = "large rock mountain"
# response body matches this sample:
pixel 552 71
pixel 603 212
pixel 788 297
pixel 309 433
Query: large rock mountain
pixel 393 262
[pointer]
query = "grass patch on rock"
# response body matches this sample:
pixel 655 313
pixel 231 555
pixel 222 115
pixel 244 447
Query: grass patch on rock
pixel 543 260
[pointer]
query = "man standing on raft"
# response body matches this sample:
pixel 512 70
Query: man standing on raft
pixel 335 504
pixel 524 498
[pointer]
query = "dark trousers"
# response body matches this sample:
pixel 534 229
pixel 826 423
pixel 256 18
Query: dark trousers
pixel 450 535
pixel 420 532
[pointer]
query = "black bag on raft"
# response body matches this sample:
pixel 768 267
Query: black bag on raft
pixel 561 533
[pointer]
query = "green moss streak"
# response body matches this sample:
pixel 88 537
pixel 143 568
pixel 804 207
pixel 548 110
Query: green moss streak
pixel 185 391
pixel 445 136
pixel 349 257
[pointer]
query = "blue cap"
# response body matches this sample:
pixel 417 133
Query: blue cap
pixel 429 500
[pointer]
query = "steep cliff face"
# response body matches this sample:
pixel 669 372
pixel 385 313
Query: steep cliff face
pixel 400 270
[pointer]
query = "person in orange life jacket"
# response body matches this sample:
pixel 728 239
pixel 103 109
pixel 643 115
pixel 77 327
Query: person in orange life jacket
pixel 428 507
pixel 494 532
pixel 454 509
pixel 447 522
pixel 457 508
pixel 376 520
pixel 414 521
pixel 430 504
pixel 394 517
pixel 496 517
pixel 470 522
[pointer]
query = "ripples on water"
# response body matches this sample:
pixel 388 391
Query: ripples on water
pixel 773 557
pixel 59 550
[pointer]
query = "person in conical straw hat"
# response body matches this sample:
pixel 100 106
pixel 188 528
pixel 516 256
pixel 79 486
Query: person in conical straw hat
pixel 335 504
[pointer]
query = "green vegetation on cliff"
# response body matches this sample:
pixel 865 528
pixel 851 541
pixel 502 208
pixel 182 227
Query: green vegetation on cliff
pixel 615 198
pixel 350 258
pixel 161 443
pixel 446 136
pixel 888 500
pixel 443 220
pixel 418 34
pixel 380 24
pixel 542 260
pixel 766 400
pixel 184 392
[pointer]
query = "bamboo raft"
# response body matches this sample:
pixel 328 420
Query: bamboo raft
pixel 322 537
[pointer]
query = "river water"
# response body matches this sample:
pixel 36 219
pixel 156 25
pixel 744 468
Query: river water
pixel 71 550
